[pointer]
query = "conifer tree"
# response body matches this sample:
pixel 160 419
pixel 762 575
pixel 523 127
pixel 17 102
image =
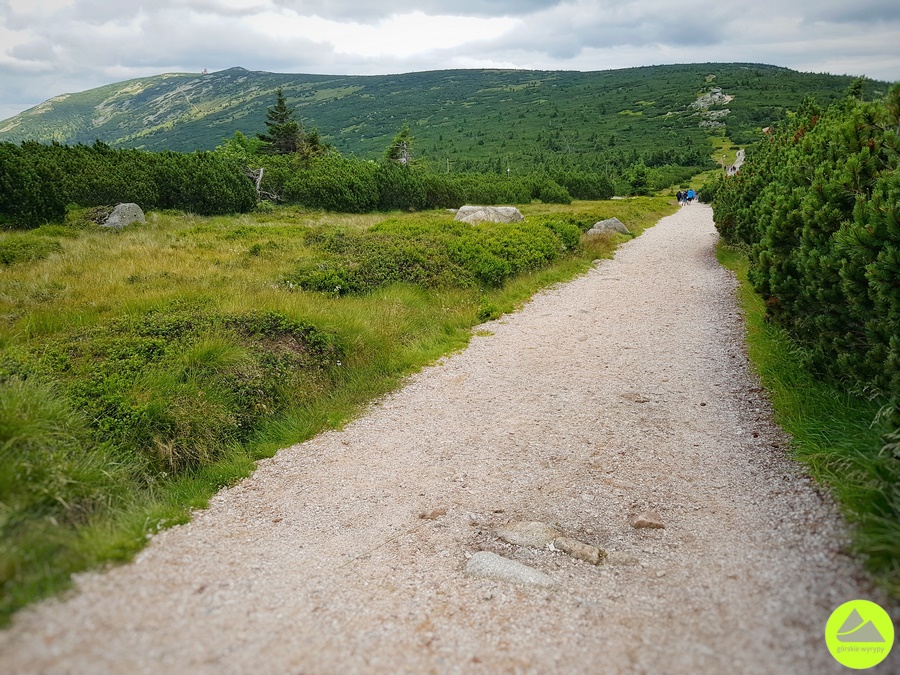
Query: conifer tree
pixel 400 150
pixel 284 134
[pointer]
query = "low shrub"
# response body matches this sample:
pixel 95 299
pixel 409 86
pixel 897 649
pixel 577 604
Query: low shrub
pixel 438 255
pixel 19 248
pixel 50 467
pixel 177 385
pixel 551 192
pixel 568 233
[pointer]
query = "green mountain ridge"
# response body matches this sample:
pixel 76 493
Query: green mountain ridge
pixel 461 118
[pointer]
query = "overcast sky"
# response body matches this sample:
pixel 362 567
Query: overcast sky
pixel 50 47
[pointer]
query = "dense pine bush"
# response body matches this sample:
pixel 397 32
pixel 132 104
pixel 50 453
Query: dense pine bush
pixel 817 206
pixel 585 185
pixel 550 192
pixel 30 192
pixel 332 183
pixel 38 181
pixel 399 188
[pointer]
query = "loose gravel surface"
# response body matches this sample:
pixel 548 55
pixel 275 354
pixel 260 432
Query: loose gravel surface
pixel 624 391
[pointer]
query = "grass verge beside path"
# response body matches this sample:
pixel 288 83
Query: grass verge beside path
pixel 839 437
pixel 142 370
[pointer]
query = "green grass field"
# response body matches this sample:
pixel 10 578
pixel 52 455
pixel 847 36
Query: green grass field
pixel 144 369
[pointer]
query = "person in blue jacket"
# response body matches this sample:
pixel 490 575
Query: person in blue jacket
pixel 690 195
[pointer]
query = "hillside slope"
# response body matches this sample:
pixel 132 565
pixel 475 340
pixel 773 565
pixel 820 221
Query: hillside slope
pixel 473 118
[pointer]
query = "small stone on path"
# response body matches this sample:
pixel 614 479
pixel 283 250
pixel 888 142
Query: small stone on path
pixel 580 550
pixel 528 533
pixel 649 519
pixel 487 565
pixel 620 558
pixel 433 515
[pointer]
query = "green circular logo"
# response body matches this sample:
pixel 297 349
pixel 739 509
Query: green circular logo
pixel 859 634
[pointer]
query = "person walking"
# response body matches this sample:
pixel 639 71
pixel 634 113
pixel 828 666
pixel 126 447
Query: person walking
pixel 690 195
pixel 679 196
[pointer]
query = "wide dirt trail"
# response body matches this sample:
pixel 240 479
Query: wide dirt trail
pixel 624 390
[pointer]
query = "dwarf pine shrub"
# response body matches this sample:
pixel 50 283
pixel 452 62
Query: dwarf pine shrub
pixel 438 255
pixel 817 206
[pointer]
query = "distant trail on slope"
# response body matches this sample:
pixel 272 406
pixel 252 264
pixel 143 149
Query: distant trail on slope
pixel 623 391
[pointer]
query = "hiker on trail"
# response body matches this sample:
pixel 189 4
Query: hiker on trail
pixel 690 195
pixel 679 196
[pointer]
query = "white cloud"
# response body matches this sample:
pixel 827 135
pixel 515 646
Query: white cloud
pixel 399 36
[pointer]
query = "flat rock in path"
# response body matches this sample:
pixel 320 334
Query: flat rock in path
pixel 620 558
pixel 489 214
pixel 580 550
pixel 124 215
pixel 609 225
pixel 528 533
pixel 649 519
pixel 487 565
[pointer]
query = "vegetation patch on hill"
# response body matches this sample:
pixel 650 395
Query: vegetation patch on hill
pixel 465 120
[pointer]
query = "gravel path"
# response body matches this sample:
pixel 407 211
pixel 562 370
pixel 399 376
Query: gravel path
pixel 623 391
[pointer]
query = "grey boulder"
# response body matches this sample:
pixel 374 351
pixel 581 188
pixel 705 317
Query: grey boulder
pixel 609 225
pixel 489 214
pixel 124 215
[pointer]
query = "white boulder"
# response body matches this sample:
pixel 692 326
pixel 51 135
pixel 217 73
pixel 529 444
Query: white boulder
pixel 489 214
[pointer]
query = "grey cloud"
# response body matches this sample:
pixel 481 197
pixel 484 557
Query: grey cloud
pixel 564 33
pixel 102 11
pixel 860 11
pixel 36 50
pixel 355 10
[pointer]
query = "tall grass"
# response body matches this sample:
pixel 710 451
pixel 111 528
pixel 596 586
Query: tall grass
pixel 141 370
pixel 838 436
